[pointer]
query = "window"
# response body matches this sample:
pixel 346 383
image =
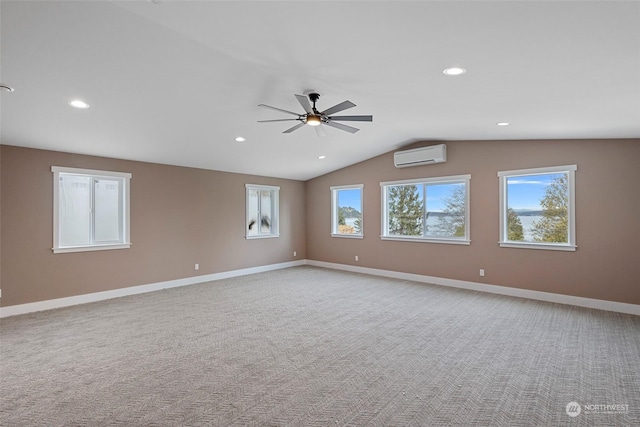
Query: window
pixel 428 210
pixel 346 211
pixel 262 211
pixel 91 210
pixel 537 208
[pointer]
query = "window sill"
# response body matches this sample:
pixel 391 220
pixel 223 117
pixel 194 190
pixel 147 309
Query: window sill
pixel 546 246
pixel 265 236
pixel 348 236
pixel 427 240
pixel 68 249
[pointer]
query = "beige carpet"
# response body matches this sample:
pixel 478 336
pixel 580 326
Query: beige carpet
pixel 314 347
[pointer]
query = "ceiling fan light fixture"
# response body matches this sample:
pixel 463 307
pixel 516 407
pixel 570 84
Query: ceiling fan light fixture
pixel 314 120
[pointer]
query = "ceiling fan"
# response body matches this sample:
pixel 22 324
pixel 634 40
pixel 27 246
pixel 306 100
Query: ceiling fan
pixel 313 117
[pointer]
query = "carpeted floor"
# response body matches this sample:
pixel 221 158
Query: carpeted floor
pixel 316 347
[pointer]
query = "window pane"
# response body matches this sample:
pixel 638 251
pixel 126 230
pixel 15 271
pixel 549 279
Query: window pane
pixel 445 210
pixel 262 211
pixel 537 208
pixel 350 211
pixel 74 210
pixel 252 208
pixel 265 212
pixel 405 210
pixel 107 211
pixel 433 210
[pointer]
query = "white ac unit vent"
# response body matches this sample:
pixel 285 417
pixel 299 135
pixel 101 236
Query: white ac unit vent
pixel 420 156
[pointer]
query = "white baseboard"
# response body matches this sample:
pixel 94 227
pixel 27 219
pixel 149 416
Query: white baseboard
pixel 14 310
pixel 619 307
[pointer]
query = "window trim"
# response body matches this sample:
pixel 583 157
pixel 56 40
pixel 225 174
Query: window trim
pixel 570 170
pixel 275 225
pixel 334 213
pixel 466 178
pixel 126 214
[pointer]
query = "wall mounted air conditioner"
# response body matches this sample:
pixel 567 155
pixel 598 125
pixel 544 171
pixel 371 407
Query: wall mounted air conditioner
pixel 420 156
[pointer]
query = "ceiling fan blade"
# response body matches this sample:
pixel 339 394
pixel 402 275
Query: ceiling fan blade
pixel 342 106
pixel 352 118
pixel 320 131
pixel 304 101
pixel 342 127
pixel 278 109
pixel 276 120
pixel 294 128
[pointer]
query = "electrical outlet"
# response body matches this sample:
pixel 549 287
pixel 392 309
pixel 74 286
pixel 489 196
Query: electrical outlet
pixel 482 272
pixel 356 257
pixel 197 266
pixel 294 253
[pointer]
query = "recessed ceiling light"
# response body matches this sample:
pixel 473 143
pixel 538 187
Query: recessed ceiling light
pixel 503 124
pixel 240 139
pixel 5 88
pixel 454 71
pixel 322 157
pixel 79 104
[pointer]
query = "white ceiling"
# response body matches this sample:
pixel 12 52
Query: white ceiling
pixel 175 82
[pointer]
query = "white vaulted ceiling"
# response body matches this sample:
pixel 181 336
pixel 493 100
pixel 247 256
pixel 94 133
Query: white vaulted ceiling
pixel 175 82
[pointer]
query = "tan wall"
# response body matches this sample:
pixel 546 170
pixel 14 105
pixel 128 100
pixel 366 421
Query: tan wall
pixel 179 217
pixel 182 216
pixel 0 223
pixel 605 266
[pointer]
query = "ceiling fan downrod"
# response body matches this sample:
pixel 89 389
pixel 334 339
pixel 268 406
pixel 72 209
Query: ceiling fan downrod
pixel 313 97
pixel 316 118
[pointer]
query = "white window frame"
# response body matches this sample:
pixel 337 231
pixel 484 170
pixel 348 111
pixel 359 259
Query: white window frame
pixel 275 211
pixel 334 211
pixel 466 179
pixel 124 241
pixel 570 170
